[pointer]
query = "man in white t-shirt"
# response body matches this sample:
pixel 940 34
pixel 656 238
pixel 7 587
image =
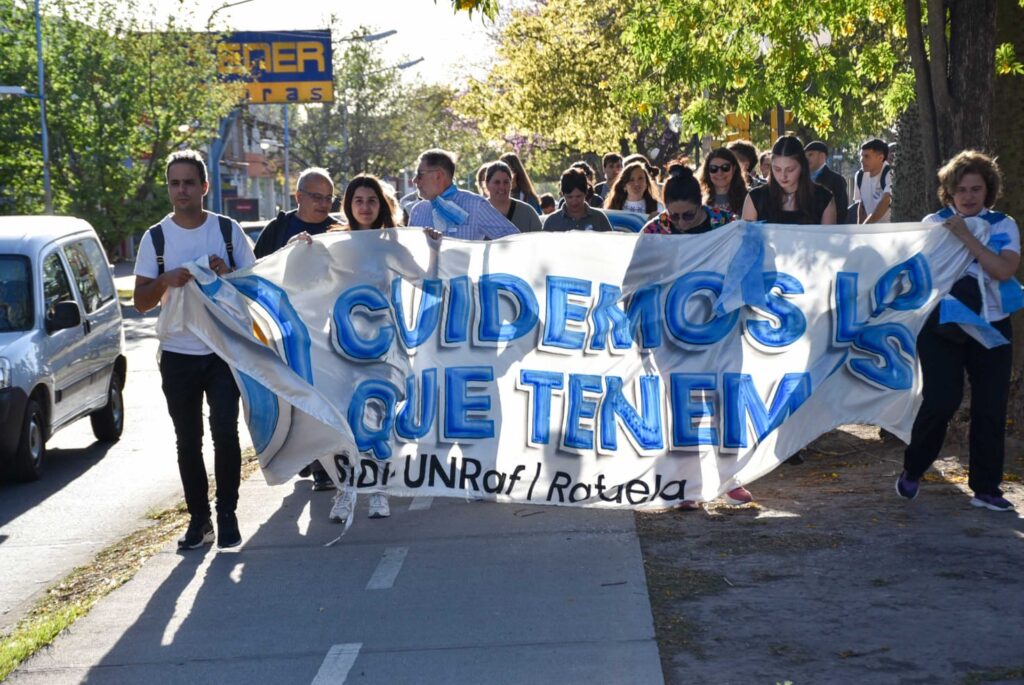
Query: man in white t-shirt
pixel 188 368
pixel 873 186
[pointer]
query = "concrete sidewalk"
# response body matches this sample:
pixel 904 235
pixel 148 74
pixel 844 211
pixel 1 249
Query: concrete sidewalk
pixel 445 591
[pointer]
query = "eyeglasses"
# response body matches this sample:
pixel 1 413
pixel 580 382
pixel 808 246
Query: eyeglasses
pixel 724 168
pixel 677 217
pixel 420 173
pixel 317 197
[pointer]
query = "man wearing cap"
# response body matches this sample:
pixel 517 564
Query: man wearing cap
pixel 817 155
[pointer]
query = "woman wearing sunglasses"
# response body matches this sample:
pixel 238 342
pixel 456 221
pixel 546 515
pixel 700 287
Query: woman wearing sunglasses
pixel 684 211
pixel 722 181
pixel 685 214
pixel 790 197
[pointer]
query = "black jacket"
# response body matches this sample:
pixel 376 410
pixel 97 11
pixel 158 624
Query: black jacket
pixel 275 234
pixel 837 184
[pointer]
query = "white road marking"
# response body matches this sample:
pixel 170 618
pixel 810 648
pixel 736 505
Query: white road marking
pixel 387 570
pixel 420 503
pixel 338 662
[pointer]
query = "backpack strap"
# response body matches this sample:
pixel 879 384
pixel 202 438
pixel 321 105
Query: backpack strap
pixel 886 170
pixel 226 233
pixel 156 235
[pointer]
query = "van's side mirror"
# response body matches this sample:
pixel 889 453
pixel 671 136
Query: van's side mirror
pixel 65 315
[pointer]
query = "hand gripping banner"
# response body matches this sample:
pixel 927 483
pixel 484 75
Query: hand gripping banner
pixel 606 370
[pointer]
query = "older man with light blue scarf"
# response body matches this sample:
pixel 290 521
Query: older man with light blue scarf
pixel 449 211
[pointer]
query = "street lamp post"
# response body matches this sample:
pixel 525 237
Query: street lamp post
pixel 368 37
pixel 47 190
pixel 287 172
pixel 226 5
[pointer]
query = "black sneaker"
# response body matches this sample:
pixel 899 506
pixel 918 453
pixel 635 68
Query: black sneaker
pixel 907 487
pixel 993 502
pixel 322 482
pixel 227 530
pixel 199 533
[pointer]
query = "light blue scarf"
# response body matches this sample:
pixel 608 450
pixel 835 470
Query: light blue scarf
pixel 447 214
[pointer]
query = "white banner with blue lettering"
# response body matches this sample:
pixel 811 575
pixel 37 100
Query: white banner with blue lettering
pixel 594 369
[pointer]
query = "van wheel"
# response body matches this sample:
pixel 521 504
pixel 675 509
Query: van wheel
pixel 28 459
pixel 108 422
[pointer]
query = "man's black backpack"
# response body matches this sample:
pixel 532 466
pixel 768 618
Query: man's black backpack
pixel 852 215
pixel 859 176
pixel 156 234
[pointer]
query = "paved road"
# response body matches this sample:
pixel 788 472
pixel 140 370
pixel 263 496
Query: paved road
pixel 90 495
pixel 445 591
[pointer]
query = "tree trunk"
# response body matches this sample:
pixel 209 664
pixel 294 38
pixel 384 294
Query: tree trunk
pixel 972 50
pixel 953 78
pixel 1007 104
pixel 923 90
pixel 911 200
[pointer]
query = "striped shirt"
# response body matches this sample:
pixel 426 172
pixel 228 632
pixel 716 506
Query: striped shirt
pixel 484 221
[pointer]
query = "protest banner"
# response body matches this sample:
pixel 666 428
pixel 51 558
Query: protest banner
pixel 608 370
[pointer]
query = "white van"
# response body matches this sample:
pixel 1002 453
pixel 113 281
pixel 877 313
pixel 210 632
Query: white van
pixel 61 341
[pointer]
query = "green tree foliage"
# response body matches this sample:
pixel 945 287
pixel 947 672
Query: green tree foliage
pixel 559 66
pixel 352 134
pixel 603 75
pixel 839 65
pixel 379 124
pixel 120 96
pixel 488 8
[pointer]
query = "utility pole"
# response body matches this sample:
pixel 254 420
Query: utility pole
pixel 47 190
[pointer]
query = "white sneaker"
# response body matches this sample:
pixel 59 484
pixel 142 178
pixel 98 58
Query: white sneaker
pixel 379 508
pixel 344 504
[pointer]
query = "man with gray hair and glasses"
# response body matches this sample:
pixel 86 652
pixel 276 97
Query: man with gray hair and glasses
pixel 449 211
pixel 315 193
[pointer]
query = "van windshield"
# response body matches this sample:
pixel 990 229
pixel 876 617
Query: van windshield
pixel 15 294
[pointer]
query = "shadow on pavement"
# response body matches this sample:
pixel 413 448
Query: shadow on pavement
pixel 216 609
pixel 61 467
pixel 485 593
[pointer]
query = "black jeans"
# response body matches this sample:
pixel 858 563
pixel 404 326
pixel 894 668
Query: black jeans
pixel 185 379
pixel 943 362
